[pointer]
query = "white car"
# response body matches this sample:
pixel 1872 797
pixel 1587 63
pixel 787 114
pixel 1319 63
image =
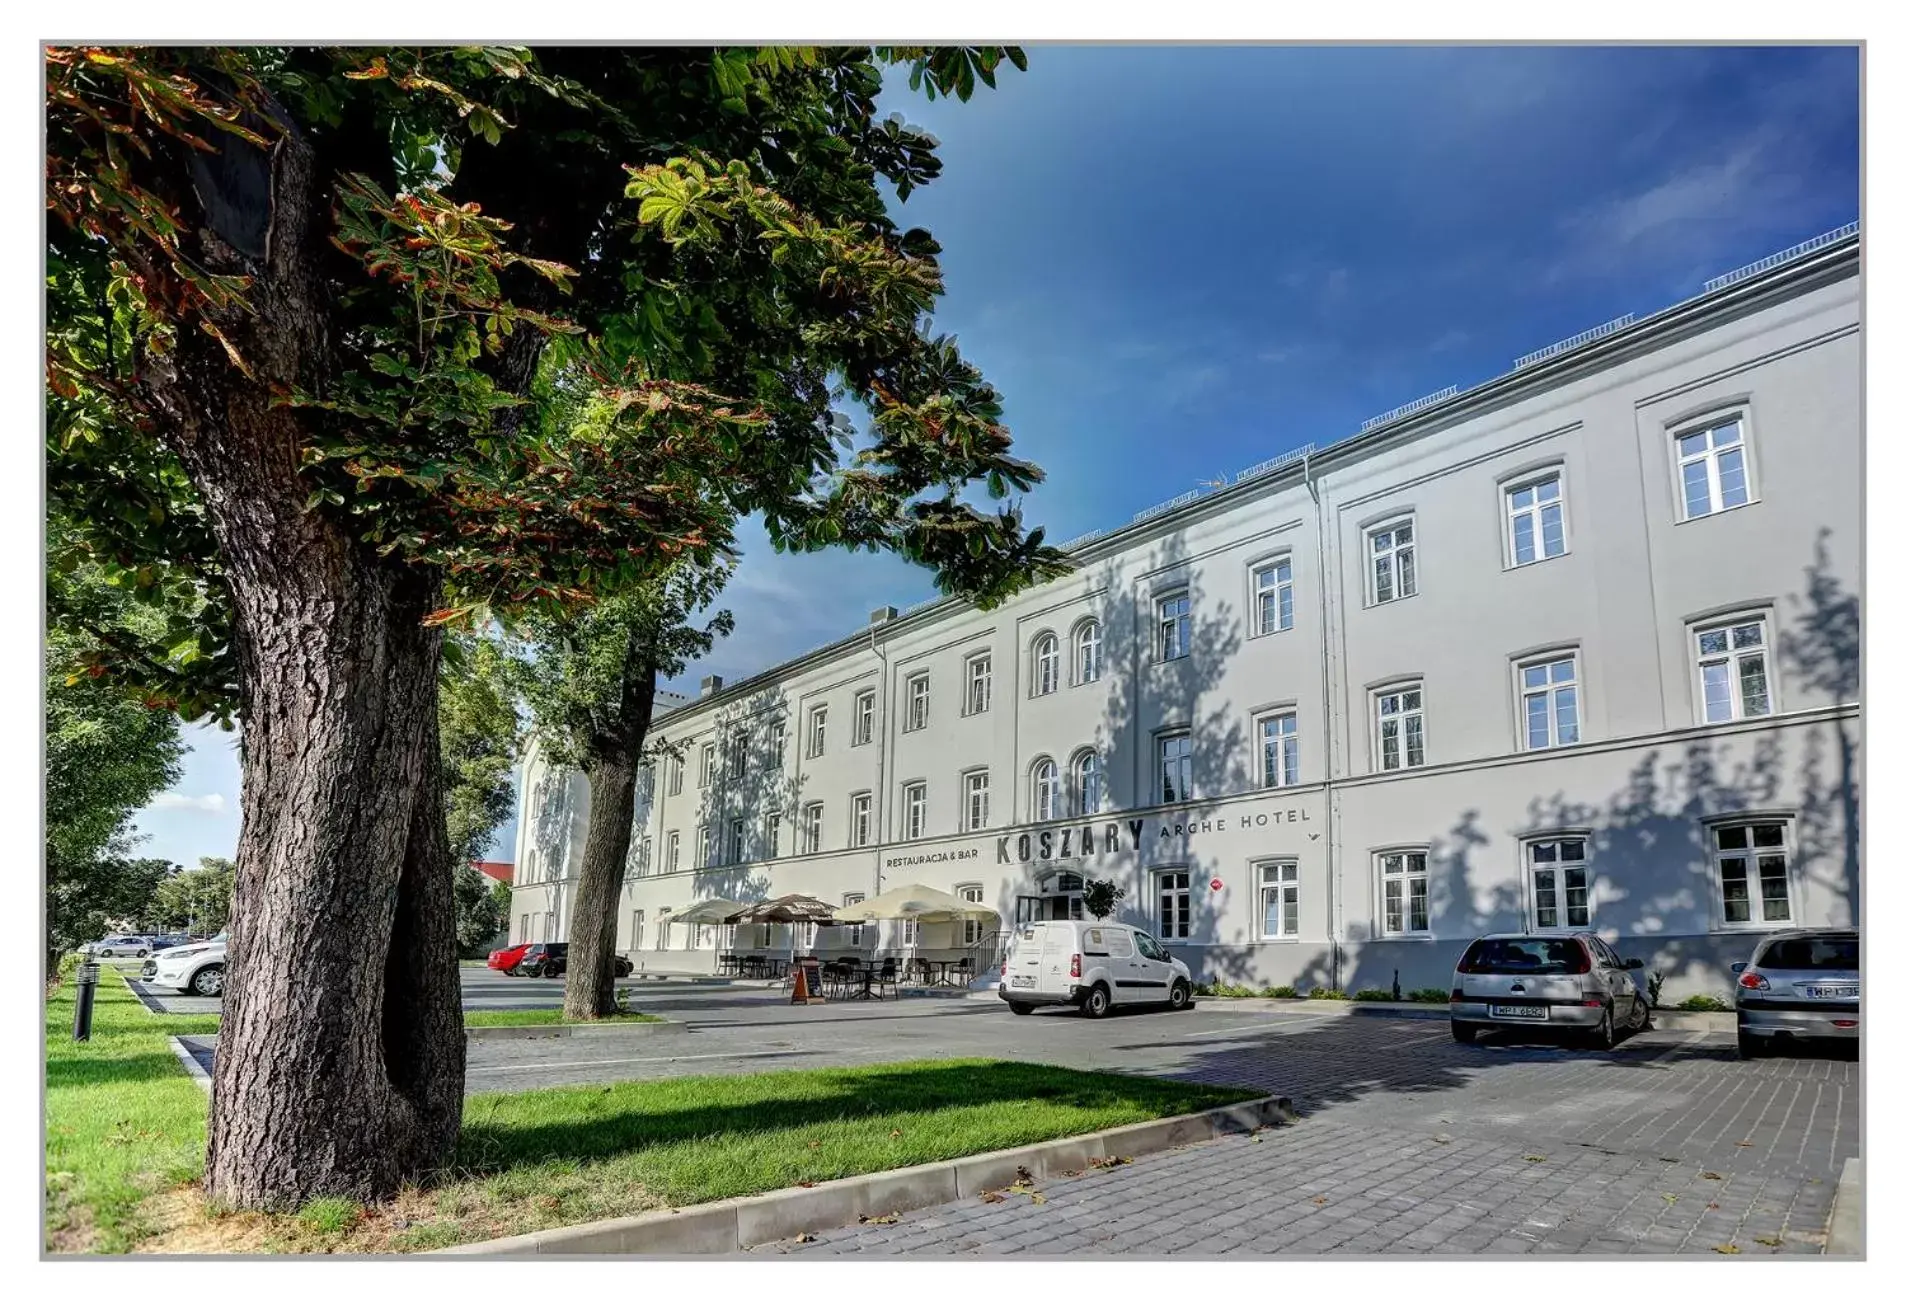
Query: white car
pixel 1093 966
pixel 121 946
pixel 191 968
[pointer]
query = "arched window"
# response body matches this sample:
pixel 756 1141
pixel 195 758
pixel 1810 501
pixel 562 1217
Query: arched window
pixel 1086 660
pixel 1045 790
pixel 1045 664
pixel 1087 786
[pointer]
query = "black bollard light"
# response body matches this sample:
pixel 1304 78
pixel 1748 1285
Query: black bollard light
pixel 85 979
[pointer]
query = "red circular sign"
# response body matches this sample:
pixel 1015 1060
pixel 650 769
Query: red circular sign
pixel 1216 884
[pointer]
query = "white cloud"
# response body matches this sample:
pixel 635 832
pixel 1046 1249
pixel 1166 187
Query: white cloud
pixel 212 803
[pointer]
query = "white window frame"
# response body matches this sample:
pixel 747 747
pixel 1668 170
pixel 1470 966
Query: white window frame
pixel 1557 867
pixel 860 818
pixel 636 920
pixel 677 774
pixel 1533 483
pixel 1397 552
pixel 813 822
pixel 863 718
pixel 909 933
pixel 1412 866
pixel 976 799
pixel 643 849
pixel 1045 664
pixel 772 832
pixel 816 731
pixel 970 892
pixel 1045 789
pixel 1158 763
pixel 1171 630
pixel 979 683
pixel 661 929
pixel 1285 767
pixel 737 841
pixel 1730 661
pixel 1168 884
pixel 1551 692
pixel 1087 807
pixel 919 701
pixel 1708 457
pixel 1402 714
pixel 1088 652
pixel 708 764
pixel 738 754
pixel 913 800
pixel 855 931
pixel 1281 589
pixel 1753 857
pixel 1278 897
pixel 777 744
pixel 674 851
pixel 704 846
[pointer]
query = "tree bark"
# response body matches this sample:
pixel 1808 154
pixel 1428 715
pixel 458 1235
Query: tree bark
pixel 589 989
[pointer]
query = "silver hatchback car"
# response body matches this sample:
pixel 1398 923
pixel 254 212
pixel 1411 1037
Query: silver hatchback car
pixel 1573 984
pixel 1801 984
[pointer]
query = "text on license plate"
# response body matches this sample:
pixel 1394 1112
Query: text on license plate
pixel 1519 1011
pixel 1832 991
pixel 1024 982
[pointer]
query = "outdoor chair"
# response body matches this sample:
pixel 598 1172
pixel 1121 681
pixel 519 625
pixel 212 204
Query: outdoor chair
pixel 962 971
pixel 887 975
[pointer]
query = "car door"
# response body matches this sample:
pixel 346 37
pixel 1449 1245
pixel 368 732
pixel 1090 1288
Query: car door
pixel 1621 987
pixel 1157 967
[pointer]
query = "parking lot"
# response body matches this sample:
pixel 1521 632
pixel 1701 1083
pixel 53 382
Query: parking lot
pixel 1406 1141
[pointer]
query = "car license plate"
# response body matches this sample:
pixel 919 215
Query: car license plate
pixel 1024 982
pixel 1519 1011
pixel 1832 991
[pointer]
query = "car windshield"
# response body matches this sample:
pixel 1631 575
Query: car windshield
pixel 1523 956
pixel 1812 953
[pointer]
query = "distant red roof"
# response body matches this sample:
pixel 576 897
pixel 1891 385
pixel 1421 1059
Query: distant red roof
pixel 504 872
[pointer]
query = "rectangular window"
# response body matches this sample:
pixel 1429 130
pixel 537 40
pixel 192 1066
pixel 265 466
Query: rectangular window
pixel 909 932
pixel 1400 729
pixel 1277 744
pixel 970 926
pixel 1549 713
pixel 916 702
pixel 817 731
pixel 1751 861
pixel 1174 905
pixel 811 828
pixel 861 819
pixel 1535 520
pixel 1405 892
pixel 1045 665
pixel 1393 561
pixel 777 744
pixel 979 684
pixel 914 799
pixel 979 793
pixel 674 851
pixel 1277 900
pixel 734 841
pixel 737 755
pixel 864 718
pixel 854 932
pixel 661 931
pixel 1086 651
pixel 1713 465
pixel 1559 883
pixel 1732 663
pixel 708 764
pixel 772 833
pixel 1273 584
pixel 705 847
pixel 1174 768
pixel 1174 626
pixel 675 767
pixel 635 929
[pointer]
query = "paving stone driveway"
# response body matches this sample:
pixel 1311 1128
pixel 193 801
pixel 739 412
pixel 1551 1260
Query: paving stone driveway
pixel 1408 1142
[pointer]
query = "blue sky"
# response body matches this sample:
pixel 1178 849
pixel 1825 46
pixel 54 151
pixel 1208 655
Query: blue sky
pixel 1176 262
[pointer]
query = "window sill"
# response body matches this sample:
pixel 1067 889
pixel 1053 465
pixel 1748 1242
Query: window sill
pixel 1395 600
pixel 1515 565
pixel 1725 510
pixel 1407 937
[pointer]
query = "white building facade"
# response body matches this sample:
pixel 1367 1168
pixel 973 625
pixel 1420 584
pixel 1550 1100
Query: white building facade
pixel 1577 648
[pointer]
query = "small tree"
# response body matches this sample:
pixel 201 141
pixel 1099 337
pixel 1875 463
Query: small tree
pixel 1102 898
pixel 478 917
pixel 480 735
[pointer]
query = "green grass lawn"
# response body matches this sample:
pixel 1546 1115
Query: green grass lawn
pixel 126 1131
pixel 547 1016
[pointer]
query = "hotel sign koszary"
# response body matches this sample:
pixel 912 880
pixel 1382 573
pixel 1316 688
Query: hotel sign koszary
pixel 1096 839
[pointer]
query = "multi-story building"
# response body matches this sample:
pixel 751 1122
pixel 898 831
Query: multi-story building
pixel 1575 648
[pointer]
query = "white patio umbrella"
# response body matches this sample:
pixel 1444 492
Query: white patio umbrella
pixel 917 903
pixel 709 912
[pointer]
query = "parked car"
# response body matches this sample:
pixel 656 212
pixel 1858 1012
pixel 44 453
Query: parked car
pixel 1572 984
pixel 550 959
pixel 191 968
pixel 1800 984
pixel 121 946
pixel 1093 966
pixel 506 960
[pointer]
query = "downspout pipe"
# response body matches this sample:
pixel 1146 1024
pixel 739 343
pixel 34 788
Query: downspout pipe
pixel 1332 895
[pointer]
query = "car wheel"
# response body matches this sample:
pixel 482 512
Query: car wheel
pixel 1602 1037
pixel 1462 1032
pixel 1021 1009
pixel 1180 996
pixel 209 982
pixel 1098 1002
pixel 1744 1043
pixel 142 953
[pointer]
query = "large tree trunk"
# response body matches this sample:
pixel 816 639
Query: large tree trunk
pixel 589 989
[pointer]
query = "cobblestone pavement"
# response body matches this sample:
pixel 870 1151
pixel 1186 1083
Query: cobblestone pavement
pixel 1407 1142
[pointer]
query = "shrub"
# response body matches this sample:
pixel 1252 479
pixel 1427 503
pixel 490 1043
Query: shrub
pixel 1371 996
pixel 1655 980
pixel 1281 991
pixel 1219 989
pixel 1321 992
pixel 1429 996
pixel 1703 1003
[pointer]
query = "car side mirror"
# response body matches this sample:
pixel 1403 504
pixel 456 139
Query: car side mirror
pixel 1737 967
pixel 1633 964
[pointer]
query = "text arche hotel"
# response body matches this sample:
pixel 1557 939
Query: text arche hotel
pixel 1575 648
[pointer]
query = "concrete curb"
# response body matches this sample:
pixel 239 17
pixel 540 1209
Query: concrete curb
pixel 1664 1018
pixel 190 1062
pixel 639 1029
pixel 728 1227
pixel 1846 1223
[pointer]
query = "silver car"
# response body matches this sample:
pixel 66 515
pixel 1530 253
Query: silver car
pixel 1575 985
pixel 1801 984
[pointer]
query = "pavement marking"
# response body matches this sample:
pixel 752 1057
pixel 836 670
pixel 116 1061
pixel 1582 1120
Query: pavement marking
pixel 624 1061
pixel 1285 1018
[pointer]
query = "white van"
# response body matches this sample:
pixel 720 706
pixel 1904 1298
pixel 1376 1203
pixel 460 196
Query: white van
pixel 1093 966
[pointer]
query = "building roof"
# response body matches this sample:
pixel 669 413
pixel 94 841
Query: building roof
pixel 504 872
